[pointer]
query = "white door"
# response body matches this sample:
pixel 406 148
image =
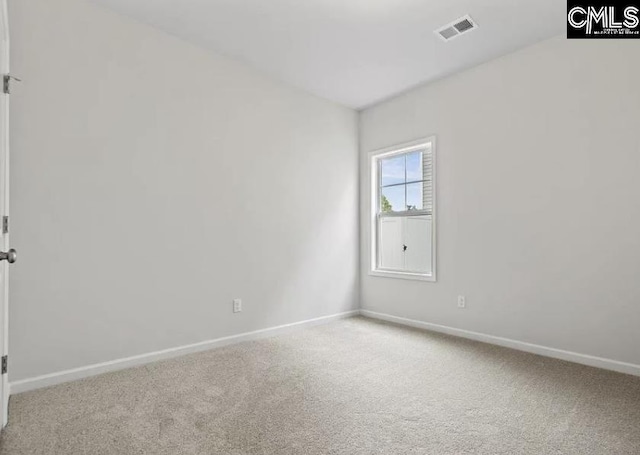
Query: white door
pixel 5 256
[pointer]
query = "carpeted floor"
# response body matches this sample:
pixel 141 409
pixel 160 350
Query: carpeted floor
pixel 351 387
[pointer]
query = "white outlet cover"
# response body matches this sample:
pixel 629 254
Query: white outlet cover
pixel 462 302
pixel 237 305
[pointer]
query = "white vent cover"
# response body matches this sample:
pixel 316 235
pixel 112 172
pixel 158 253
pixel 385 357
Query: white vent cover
pixel 456 28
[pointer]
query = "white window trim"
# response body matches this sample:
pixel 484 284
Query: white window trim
pixel 373 210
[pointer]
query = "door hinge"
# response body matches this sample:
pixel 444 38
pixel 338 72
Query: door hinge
pixel 6 83
pixel 5 224
pixel 5 361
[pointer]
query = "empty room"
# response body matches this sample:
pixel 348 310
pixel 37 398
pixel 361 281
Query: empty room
pixel 318 227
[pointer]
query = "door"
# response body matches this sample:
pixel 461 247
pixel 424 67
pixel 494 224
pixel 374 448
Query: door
pixel 6 256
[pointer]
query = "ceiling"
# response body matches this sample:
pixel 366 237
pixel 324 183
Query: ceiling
pixel 353 52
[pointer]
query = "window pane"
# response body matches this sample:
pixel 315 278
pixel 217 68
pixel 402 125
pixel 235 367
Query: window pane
pixel 390 243
pixel 392 170
pixel 414 166
pixel 404 194
pixel 415 196
pixel 392 199
pixel 404 243
pixel 417 238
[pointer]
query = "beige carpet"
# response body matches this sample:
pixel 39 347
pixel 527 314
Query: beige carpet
pixel 350 387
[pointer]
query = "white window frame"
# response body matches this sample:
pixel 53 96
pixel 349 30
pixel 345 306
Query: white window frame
pixel 374 201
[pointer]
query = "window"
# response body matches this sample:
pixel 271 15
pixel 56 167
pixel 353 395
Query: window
pixel 402 208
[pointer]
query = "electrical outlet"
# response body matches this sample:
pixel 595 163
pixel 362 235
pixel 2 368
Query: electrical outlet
pixel 462 302
pixel 237 305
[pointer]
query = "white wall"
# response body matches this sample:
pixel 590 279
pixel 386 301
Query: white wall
pixel 153 182
pixel 538 186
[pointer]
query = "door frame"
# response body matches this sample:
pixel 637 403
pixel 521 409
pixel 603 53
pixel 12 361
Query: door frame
pixel 4 205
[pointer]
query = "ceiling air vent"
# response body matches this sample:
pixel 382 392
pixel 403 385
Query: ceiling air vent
pixel 456 28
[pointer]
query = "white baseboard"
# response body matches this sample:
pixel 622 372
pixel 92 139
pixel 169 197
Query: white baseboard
pixel 47 380
pixel 584 359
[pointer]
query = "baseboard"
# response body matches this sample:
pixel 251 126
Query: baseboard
pixel 47 380
pixel 584 359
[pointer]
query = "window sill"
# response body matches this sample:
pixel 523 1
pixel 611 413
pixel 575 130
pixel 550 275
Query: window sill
pixel 403 275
